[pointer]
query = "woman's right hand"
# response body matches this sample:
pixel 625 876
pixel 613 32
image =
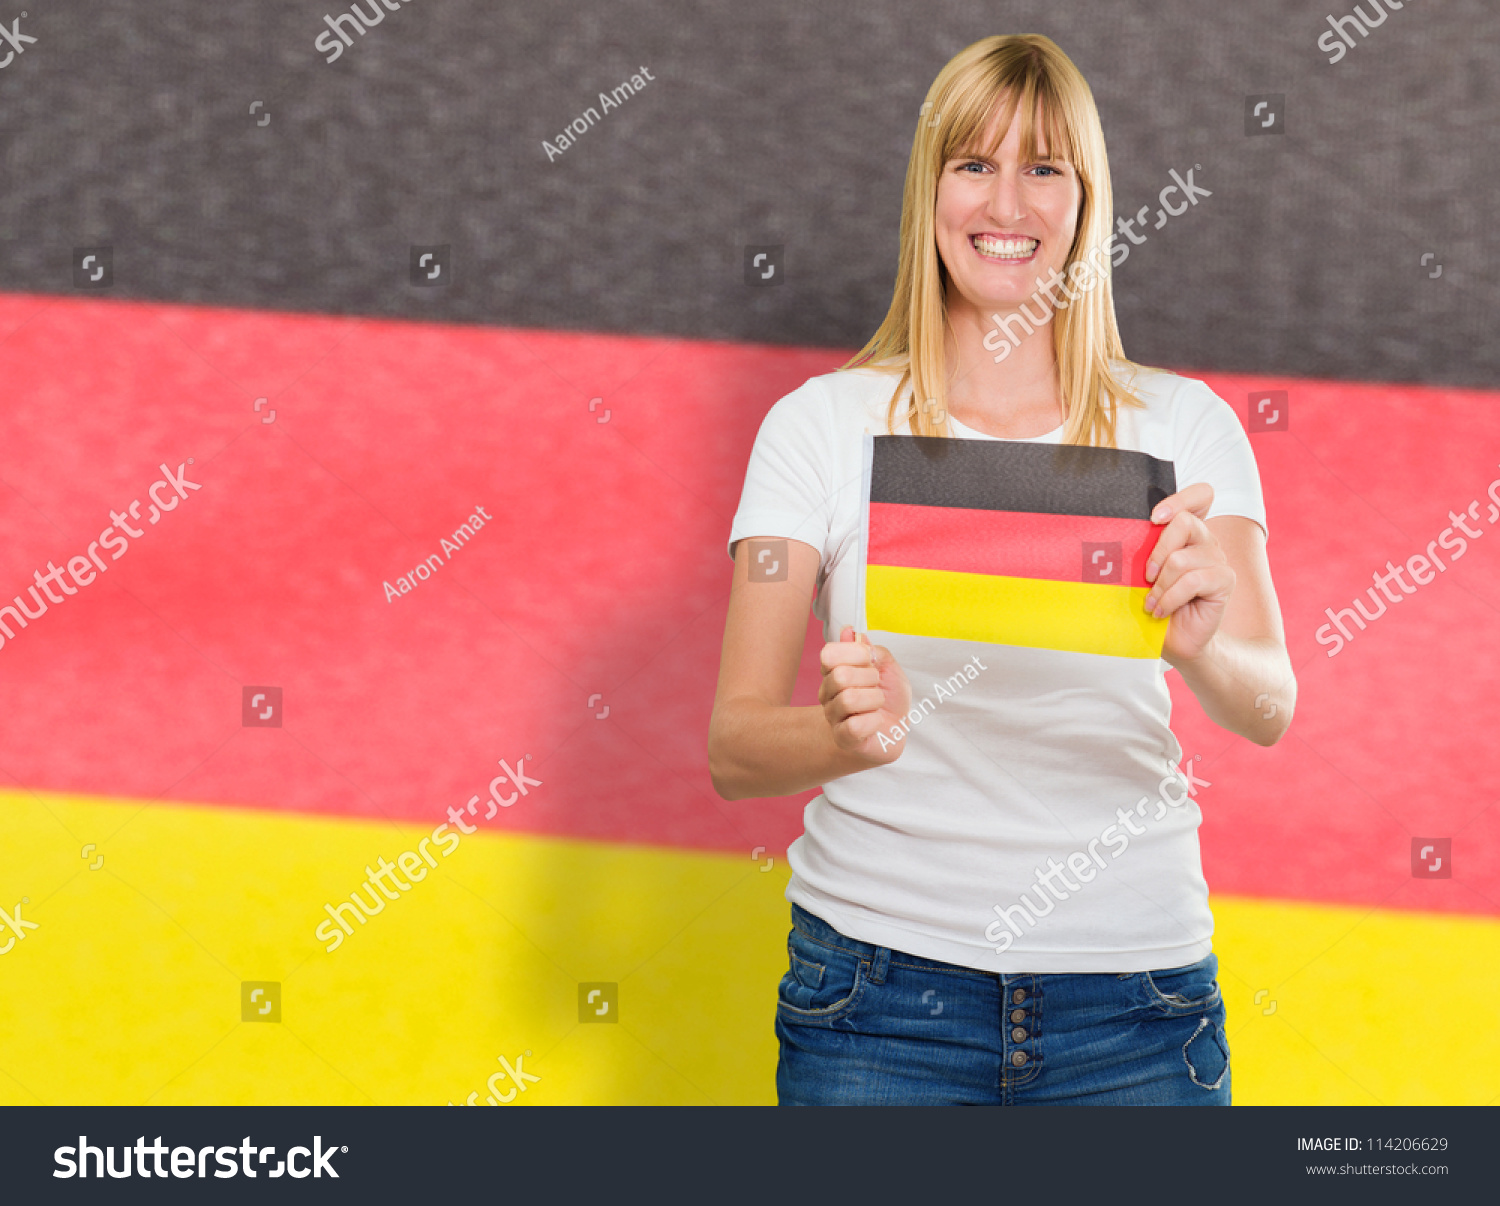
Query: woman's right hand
pixel 864 693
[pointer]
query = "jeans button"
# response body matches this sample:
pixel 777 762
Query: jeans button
pixel 1017 1015
pixel 1018 1058
pixel 1018 996
pixel 1018 1034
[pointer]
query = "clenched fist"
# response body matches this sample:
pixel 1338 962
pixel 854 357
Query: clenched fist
pixel 864 693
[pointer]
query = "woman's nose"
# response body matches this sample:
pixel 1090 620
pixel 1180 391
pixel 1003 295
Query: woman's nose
pixel 1006 201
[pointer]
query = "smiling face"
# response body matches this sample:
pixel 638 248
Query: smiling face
pixel 1001 221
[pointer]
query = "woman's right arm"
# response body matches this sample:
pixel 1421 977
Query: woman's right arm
pixel 758 744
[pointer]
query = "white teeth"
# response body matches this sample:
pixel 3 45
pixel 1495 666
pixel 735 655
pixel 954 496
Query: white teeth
pixel 1007 249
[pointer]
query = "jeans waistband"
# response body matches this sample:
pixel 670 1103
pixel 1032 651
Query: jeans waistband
pixel 815 927
pixel 879 956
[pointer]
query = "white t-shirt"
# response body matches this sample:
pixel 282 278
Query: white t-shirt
pixel 1016 755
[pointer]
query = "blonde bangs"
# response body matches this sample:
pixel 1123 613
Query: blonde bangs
pixel 1029 75
pixel 1014 89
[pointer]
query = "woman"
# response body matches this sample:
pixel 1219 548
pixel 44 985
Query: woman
pixel 998 897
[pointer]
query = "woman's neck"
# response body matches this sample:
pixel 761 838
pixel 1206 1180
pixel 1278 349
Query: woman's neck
pixel 1017 398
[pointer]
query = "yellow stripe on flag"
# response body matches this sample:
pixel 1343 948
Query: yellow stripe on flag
pixel 1042 613
pixel 130 988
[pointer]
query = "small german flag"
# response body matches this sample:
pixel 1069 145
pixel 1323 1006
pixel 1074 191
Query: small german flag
pixel 1042 545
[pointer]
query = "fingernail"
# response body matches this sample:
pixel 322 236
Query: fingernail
pixel 1150 571
pixel 1161 514
pixel 1151 603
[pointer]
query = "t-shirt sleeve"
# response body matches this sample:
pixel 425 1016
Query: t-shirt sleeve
pixel 1214 448
pixel 789 489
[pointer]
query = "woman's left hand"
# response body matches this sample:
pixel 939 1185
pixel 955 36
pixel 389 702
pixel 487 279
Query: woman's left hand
pixel 1190 577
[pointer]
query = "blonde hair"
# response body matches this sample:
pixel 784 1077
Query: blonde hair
pixel 1030 75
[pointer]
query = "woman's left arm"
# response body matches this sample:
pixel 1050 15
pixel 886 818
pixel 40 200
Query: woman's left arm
pixel 1225 636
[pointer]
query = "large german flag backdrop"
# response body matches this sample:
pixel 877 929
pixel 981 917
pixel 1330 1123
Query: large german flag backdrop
pixel 1013 544
pixel 358 755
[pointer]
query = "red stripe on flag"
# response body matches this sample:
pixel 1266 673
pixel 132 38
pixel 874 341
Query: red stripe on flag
pixel 1017 544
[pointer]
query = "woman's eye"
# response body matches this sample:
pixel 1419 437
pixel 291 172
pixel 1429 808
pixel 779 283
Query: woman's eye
pixel 978 166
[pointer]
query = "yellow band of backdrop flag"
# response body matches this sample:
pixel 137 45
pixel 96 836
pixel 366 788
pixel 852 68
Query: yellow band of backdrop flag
pixel 1041 545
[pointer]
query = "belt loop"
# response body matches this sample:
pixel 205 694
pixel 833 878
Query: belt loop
pixel 882 961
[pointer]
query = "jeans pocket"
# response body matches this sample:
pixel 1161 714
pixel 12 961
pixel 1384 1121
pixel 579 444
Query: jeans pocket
pixel 821 983
pixel 1206 1052
pixel 1183 990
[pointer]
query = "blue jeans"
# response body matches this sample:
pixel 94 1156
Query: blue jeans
pixel 866 1025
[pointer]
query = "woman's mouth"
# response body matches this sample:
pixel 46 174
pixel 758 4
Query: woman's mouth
pixel 1004 250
